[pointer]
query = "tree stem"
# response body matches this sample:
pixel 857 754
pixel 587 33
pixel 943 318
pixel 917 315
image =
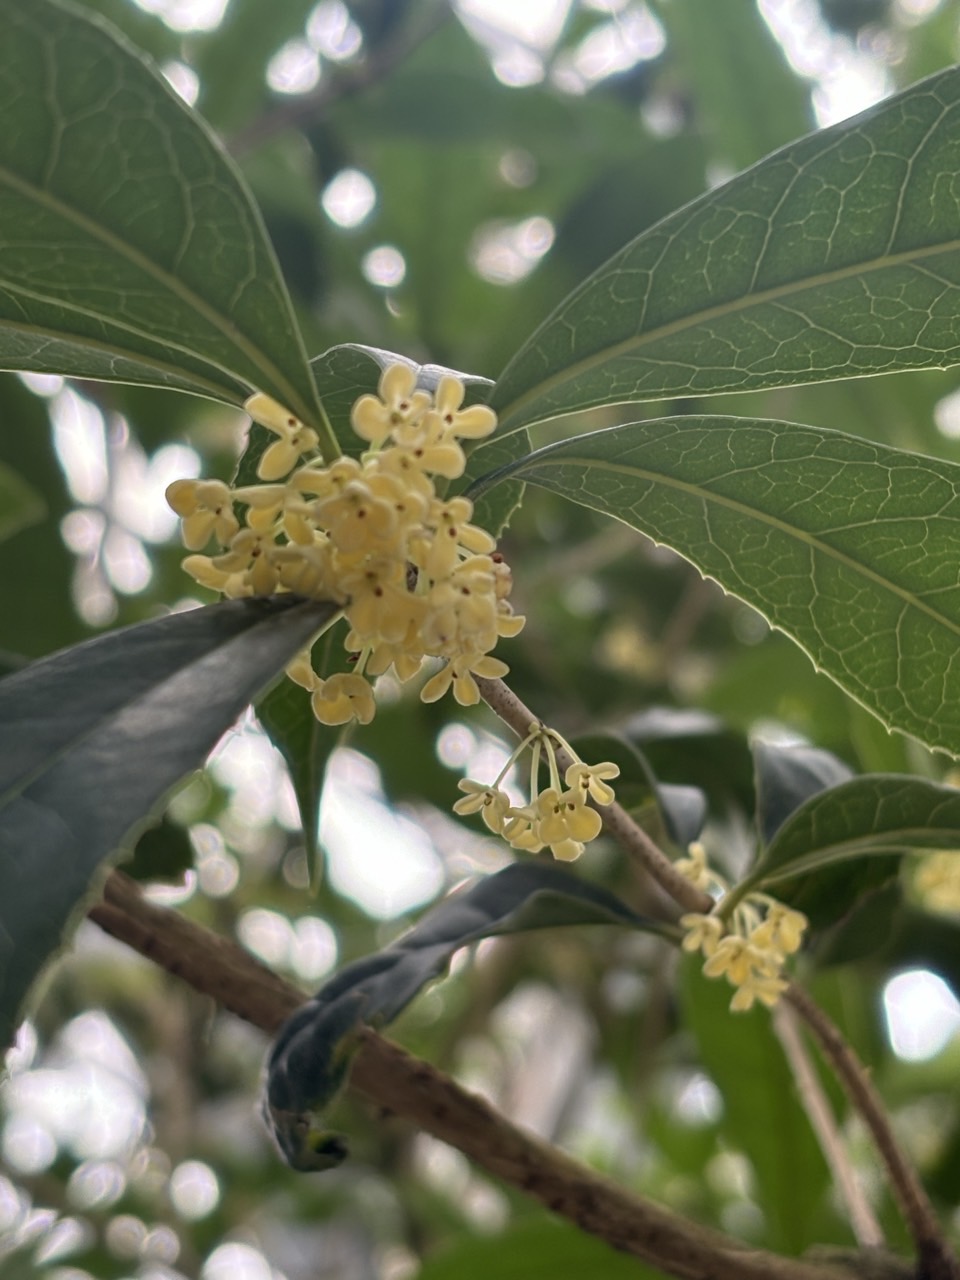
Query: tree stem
pixel 863 1221
pixel 413 1089
pixel 936 1259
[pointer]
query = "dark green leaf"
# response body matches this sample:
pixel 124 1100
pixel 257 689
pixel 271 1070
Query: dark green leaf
pixel 786 777
pixel 918 939
pixel 34 622
pixel 849 547
pixel 494 507
pixel 305 744
pixel 876 814
pixel 309 1057
pixel 871 915
pixel 11 662
pixel 685 811
pixel 132 249
pixel 828 896
pixel 834 257
pixel 163 852
pixel 20 504
pixel 93 738
pixel 695 746
pixel 670 813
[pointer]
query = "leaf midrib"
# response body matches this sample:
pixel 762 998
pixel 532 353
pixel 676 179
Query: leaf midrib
pixel 901 841
pixel 637 342
pixel 216 390
pixel 532 463
pixel 164 278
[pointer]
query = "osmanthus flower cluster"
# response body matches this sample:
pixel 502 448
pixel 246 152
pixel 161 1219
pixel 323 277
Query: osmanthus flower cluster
pixel 558 816
pixel 414 577
pixel 750 948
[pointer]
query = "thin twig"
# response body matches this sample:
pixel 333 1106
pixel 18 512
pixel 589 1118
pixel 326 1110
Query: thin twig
pixel 617 822
pixel 863 1221
pixel 413 1089
pixel 937 1261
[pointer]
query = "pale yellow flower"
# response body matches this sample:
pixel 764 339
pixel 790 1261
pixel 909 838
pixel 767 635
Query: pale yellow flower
pixel 782 930
pixel 206 510
pixel 567 850
pixel 468 424
pixel 521 830
pixel 490 802
pixel 694 866
pixel 564 815
pixel 590 780
pixel 295 440
pixel 342 698
pixel 300 671
pixel 374 418
pixel 763 987
pixel 415 577
pixel 460 675
pixel 703 933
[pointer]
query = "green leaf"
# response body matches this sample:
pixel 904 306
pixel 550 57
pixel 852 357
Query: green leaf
pixel 308 1061
pixel 670 813
pixel 96 735
pixel 846 843
pixel 20 504
pixel 850 548
pixel 765 1120
pixel 683 743
pixel 875 814
pixel 163 852
pixel 834 257
pixel 786 777
pixel 132 250
pixel 305 744
pixel 493 508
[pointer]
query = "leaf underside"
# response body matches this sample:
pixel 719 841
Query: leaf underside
pixel 307 1063
pixel 95 736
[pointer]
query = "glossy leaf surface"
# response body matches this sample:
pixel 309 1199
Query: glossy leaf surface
pixel 95 736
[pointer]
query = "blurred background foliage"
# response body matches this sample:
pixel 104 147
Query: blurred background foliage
pixel 435 177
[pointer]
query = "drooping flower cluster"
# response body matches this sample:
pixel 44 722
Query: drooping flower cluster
pixel 557 816
pixel 414 577
pixel 750 948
